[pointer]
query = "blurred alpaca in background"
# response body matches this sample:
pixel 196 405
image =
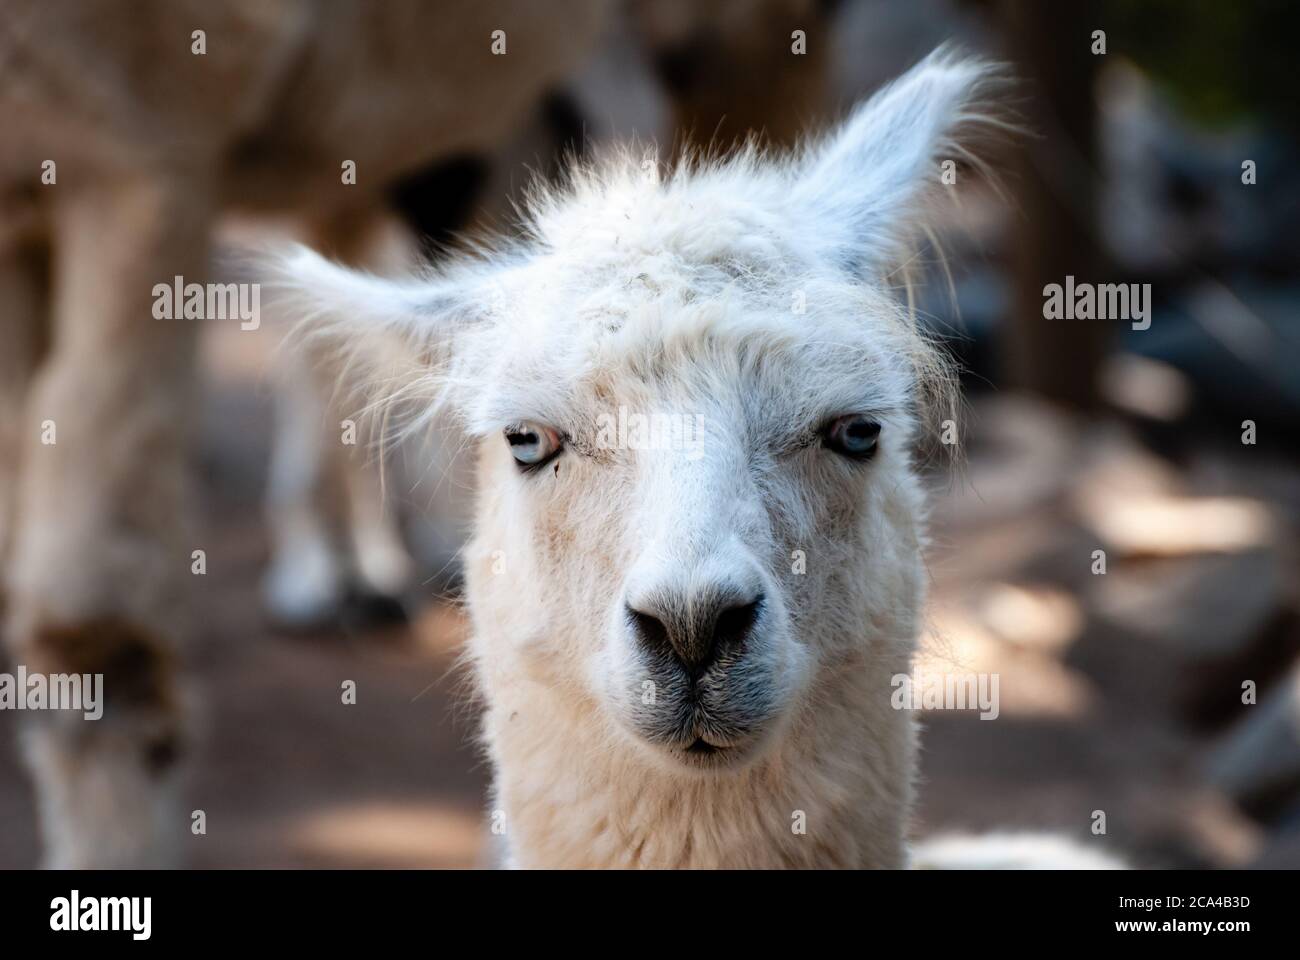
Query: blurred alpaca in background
pixel 190 109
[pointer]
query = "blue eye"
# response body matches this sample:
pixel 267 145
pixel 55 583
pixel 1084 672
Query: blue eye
pixel 532 444
pixel 854 435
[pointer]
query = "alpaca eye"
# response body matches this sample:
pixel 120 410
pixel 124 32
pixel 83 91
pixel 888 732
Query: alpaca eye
pixel 855 436
pixel 532 444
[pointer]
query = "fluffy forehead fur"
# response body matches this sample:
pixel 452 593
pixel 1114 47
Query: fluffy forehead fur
pixel 664 333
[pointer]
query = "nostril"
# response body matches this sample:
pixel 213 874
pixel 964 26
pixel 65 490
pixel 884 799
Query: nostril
pixel 650 629
pixel 734 623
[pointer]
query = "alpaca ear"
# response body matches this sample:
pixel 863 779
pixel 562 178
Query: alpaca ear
pixel 386 340
pixel 867 186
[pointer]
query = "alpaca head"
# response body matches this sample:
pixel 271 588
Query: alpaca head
pixel 696 398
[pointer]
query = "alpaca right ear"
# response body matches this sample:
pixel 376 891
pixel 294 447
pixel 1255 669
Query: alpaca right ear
pixel 386 340
pixel 865 186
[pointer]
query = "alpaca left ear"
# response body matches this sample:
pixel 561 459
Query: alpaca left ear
pixel 867 186
pixel 384 339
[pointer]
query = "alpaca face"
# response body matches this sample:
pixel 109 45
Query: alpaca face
pixel 686 490
pixel 696 399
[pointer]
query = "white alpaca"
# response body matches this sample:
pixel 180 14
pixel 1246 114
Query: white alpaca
pixel 685 641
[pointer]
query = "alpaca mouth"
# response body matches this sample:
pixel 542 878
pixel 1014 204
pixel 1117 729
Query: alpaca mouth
pixel 701 755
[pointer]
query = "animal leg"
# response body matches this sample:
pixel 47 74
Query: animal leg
pixel 322 478
pixel 101 555
pixel 24 305
pixel 305 583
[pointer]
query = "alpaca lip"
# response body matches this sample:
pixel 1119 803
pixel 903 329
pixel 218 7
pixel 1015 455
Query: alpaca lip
pixel 700 755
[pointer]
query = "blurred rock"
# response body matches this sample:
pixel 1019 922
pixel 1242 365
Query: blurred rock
pixel 1199 608
pixel 1280 853
pixel 1216 621
pixel 1137 525
pixel 1258 763
pixel 1282 849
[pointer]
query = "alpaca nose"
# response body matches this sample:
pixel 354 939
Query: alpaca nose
pixel 696 630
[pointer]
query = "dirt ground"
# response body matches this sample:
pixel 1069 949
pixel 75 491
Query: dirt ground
pixel 1094 713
